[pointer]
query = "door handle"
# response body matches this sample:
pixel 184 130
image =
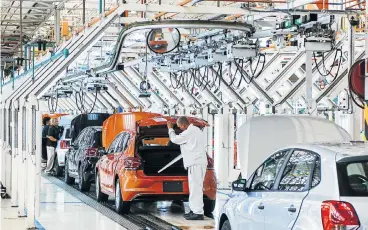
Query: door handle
pixel 261 206
pixel 292 208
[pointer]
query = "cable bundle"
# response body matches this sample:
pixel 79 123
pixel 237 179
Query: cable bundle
pixel 210 77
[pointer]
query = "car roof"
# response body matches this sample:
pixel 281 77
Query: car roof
pixel 338 149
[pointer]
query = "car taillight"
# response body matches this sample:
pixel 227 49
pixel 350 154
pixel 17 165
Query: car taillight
pixel 132 163
pixel 91 152
pixel 64 144
pixel 210 163
pixel 339 215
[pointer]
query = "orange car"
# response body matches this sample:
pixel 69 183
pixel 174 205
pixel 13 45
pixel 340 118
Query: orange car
pixel 129 168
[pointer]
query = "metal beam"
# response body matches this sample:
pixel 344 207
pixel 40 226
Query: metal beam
pixel 30 7
pixel 24 20
pixel 186 9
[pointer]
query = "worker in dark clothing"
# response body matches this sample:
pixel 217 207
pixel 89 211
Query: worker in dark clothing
pixel 53 137
pixel 45 130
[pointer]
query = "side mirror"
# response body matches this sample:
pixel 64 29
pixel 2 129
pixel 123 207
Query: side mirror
pixel 101 151
pixel 239 185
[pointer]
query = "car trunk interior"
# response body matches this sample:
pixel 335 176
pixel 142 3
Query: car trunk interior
pixel 157 151
pixel 156 157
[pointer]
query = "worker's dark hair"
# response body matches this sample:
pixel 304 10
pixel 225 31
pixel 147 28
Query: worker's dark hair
pixel 183 120
pixel 45 120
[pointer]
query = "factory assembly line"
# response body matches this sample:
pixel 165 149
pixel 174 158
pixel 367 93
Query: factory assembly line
pixel 176 115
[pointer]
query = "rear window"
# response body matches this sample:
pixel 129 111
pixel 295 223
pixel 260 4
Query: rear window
pixel 67 134
pixel 353 178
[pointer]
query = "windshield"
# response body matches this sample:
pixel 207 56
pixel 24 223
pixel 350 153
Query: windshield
pixel 353 178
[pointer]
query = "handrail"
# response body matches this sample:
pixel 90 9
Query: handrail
pixel 57 55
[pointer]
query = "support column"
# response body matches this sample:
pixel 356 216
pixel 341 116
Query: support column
pixel 308 83
pixel 240 120
pixel 57 25
pixel 21 161
pixel 31 163
pixel 221 141
pixel 15 156
pixel 233 174
pixel 38 146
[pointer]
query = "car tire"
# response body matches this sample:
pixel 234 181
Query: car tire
pixel 83 185
pixel 57 168
pixel 226 225
pixel 68 179
pixel 209 206
pixel 101 197
pixel 121 206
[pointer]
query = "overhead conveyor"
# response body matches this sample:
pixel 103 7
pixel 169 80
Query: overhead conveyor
pixel 133 72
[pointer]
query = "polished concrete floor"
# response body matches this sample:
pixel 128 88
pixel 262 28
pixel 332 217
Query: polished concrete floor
pixel 60 211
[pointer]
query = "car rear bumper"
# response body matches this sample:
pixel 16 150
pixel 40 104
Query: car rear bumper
pixel 137 186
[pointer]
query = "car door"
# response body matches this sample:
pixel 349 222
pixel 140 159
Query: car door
pixel 291 188
pixel 73 151
pixel 85 143
pixel 116 165
pixel 118 154
pixel 106 167
pixel 250 211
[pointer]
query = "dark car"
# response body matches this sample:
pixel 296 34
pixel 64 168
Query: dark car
pixel 82 156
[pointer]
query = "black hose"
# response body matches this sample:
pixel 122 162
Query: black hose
pixel 94 103
pixel 324 66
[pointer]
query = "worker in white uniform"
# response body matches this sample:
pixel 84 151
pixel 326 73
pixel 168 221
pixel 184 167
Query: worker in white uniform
pixel 193 149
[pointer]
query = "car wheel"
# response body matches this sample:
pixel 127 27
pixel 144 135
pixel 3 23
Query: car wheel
pixel 226 225
pixel 209 206
pixel 101 197
pixel 121 207
pixel 57 168
pixel 83 185
pixel 68 179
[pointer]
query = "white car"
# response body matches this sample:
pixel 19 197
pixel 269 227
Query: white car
pixel 63 144
pixel 304 187
pixel 61 149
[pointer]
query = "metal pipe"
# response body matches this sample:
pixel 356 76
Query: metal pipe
pixel 21 29
pixel 84 13
pixel 33 69
pixel 13 76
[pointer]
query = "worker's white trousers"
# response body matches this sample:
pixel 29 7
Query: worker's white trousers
pixel 196 174
pixel 50 159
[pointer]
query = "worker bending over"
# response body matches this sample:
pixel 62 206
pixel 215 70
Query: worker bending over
pixel 193 149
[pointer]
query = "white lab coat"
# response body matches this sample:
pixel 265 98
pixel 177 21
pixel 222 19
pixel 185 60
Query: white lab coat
pixel 192 145
pixel 193 148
